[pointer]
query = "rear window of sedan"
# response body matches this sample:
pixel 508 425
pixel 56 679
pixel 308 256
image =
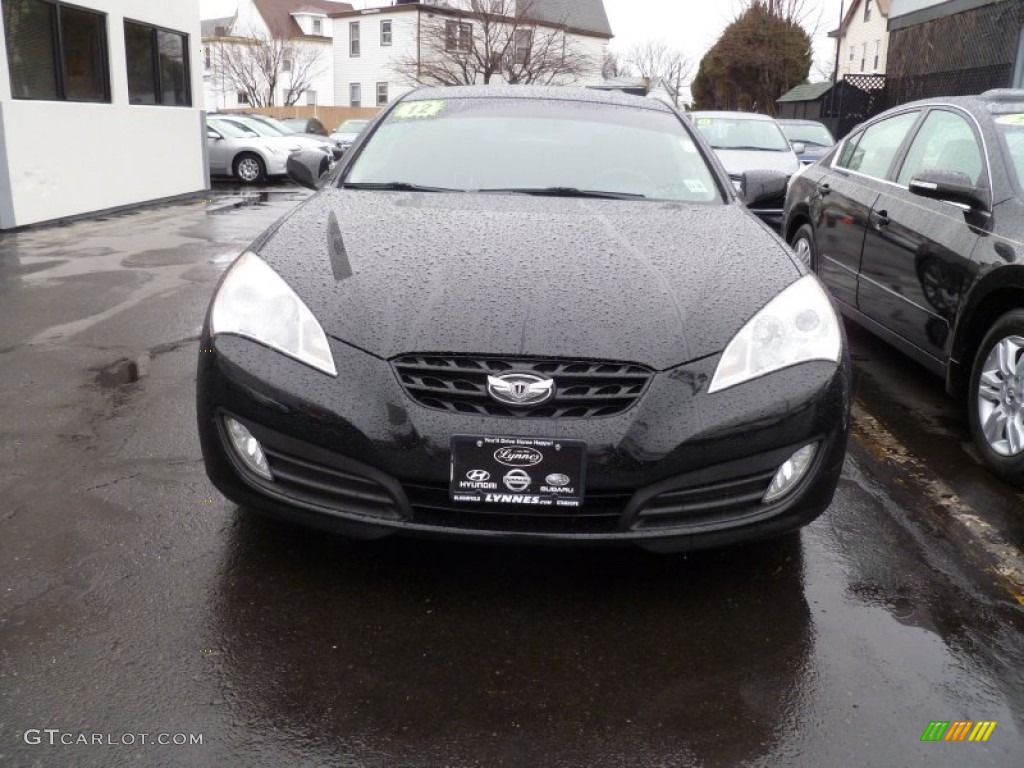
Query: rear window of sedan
pixel 478 144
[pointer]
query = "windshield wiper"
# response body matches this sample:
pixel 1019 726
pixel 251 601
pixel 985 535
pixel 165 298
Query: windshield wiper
pixel 398 186
pixel 566 192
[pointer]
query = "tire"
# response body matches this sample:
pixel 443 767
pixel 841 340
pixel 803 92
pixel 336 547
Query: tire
pixel 249 168
pixel 803 244
pixel 995 405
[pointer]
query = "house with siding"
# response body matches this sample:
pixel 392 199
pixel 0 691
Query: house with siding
pixel 863 38
pixel 369 43
pixel 305 24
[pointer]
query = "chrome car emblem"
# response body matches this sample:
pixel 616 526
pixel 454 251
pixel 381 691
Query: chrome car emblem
pixel 520 389
pixel 558 481
pixel 517 481
pixel 478 476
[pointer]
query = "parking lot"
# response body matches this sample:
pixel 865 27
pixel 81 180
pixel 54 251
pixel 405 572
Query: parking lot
pixel 135 600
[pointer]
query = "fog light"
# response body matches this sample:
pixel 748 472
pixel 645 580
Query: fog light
pixel 790 473
pixel 248 448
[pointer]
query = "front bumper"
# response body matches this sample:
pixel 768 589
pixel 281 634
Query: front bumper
pixel 680 470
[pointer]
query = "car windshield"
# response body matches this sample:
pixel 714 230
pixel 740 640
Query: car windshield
pixel 278 125
pixel 742 133
pixel 257 126
pixel 292 124
pixel 1011 128
pixel 806 133
pixel 231 129
pixel 352 126
pixel 568 148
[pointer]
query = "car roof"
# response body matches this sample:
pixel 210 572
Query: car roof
pixel 733 115
pixel 795 121
pixel 538 92
pixel 989 102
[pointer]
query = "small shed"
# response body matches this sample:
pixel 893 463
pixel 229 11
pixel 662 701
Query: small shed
pixel 805 102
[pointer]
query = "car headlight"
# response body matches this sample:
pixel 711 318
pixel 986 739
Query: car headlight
pixel 797 326
pixel 255 302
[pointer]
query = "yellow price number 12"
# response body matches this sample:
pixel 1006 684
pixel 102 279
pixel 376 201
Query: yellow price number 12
pixel 413 110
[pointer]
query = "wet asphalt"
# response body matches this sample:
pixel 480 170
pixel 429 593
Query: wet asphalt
pixel 135 601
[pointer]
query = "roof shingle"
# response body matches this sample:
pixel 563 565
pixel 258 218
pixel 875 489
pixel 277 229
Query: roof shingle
pixel 277 14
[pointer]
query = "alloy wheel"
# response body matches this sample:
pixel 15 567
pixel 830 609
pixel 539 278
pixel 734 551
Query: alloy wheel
pixel 803 251
pixel 1001 397
pixel 249 169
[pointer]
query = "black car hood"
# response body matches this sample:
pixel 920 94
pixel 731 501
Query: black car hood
pixel 652 283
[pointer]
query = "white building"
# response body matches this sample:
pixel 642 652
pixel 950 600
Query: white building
pixel 99 106
pixel 305 25
pixel 369 43
pixel 863 38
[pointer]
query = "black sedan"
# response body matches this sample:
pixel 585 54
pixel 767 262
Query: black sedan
pixel 529 314
pixel 916 224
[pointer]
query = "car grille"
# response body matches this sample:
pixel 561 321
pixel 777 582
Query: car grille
pixel 432 505
pixel 329 487
pixel 705 504
pixel 583 389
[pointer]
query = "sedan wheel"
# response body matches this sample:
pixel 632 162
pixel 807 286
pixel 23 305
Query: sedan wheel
pixel 249 169
pixel 997 389
pixel 803 244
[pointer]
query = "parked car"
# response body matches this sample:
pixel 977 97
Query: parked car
pixel 745 142
pixel 240 152
pixel 536 347
pixel 285 128
pixel 915 222
pixel 264 127
pixel 815 139
pixel 346 133
pixel 306 125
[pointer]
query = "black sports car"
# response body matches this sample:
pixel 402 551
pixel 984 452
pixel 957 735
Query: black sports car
pixel 916 222
pixel 532 314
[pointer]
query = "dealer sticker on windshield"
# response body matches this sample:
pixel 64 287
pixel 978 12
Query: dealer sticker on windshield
pixel 412 110
pixel 1010 120
pixel 519 471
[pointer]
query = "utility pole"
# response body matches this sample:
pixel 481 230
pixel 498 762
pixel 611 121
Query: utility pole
pixel 839 40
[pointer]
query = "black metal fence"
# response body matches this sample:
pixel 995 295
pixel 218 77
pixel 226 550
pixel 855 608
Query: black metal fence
pixel 857 98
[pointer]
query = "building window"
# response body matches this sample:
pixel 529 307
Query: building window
pixel 243 98
pixel 1018 80
pixel 385 32
pixel 867 10
pixel 353 38
pixel 878 53
pixel 286 65
pixel 458 36
pixel 863 57
pixel 382 94
pixel 851 52
pixel 157 66
pixel 523 44
pixel 56 52
pixel 318 27
pixel 310 98
pixel 355 95
pixel 206 57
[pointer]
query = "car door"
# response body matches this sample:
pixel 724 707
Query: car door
pixel 219 152
pixel 843 197
pixel 917 251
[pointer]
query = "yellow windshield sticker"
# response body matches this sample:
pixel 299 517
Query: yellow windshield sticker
pixel 412 110
pixel 1010 119
pixel 704 121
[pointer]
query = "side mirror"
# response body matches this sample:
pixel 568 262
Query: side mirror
pixel 213 135
pixel 799 147
pixel 951 187
pixel 308 167
pixel 759 187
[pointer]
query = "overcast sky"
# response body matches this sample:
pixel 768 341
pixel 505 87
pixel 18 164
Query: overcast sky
pixel 691 25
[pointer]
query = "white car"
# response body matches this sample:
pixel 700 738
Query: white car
pixel 240 152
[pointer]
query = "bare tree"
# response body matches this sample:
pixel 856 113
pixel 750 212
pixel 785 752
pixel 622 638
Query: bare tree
pixel 256 64
pixel 655 59
pixel 493 39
